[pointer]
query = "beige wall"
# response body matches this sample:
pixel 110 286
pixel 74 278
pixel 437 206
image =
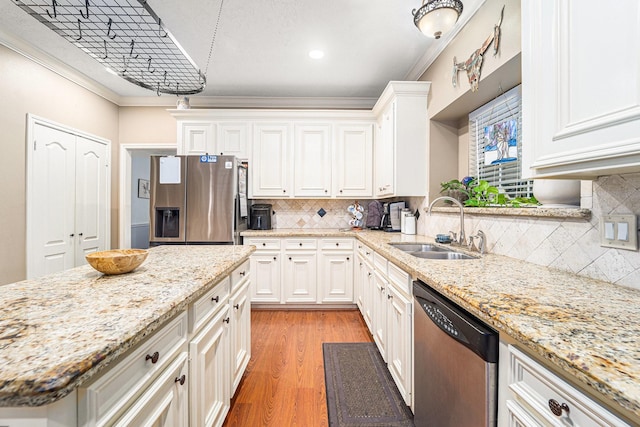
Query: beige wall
pixel 27 87
pixel 146 125
pixel 450 106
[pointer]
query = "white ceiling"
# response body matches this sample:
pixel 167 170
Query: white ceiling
pixel 261 48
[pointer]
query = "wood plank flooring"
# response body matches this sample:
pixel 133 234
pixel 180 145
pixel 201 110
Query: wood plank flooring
pixel 284 382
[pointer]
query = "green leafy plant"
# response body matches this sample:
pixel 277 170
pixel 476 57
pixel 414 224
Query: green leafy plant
pixel 478 193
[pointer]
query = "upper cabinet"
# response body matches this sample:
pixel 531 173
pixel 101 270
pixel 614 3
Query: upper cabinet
pixel 208 136
pixel 353 160
pixel 402 140
pixel 312 160
pixel 270 164
pixel 581 88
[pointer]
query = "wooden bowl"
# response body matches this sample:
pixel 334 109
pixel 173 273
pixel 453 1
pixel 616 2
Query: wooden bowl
pixel 117 261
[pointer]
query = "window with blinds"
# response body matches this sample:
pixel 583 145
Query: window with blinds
pixel 495 149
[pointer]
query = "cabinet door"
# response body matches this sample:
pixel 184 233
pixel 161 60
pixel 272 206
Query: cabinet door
pixel 379 313
pixel 368 291
pixel 312 165
pixel 196 138
pixel 265 277
pixel 164 404
pixel 336 276
pixel 385 149
pixel 240 335
pixel 232 139
pixel 209 373
pixel 270 160
pixel 299 276
pixel 92 173
pixel 354 161
pixel 399 337
pixel 573 123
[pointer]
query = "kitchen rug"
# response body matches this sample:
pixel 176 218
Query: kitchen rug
pixel 360 390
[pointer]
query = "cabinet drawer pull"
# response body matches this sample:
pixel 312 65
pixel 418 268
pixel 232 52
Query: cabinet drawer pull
pixel 348 258
pixel 226 320
pixel 337 244
pixel 289 258
pixel 236 306
pixel 558 408
pixel 242 273
pixel 181 379
pixel 153 358
pixel 216 298
pixel 71 235
pixel 264 244
pixel 275 259
pixel 389 296
pixel 300 244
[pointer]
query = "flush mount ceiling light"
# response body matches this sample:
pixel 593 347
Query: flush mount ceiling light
pixel 125 36
pixel 316 54
pixel 436 17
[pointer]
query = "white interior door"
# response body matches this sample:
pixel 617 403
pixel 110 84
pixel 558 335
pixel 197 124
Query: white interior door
pixel 51 206
pixel 91 198
pixel 67 197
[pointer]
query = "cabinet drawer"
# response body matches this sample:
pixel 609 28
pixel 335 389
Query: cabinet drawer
pixel 300 244
pixel 380 263
pixel 105 398
pixel 239 274
pixel 366 252
pixel 260 244
pixel 205 307
pixel 342 244
pixel 534 386
pixel 400 279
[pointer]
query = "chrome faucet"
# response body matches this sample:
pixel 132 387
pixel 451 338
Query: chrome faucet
pixel 462 239
pixel 483 242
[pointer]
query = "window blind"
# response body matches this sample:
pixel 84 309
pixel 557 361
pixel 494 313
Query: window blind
pixel 489 125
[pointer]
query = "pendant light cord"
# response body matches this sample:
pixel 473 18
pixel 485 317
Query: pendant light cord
pixel 213 39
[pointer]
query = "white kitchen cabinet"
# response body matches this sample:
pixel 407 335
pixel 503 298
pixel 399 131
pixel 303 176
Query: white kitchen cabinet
pixel 240 335
pixel 67 197
pixel 402 141
pixel 368 290
pixel 353 160
pixel 196 137
pixel 165 402
pixel 399 341
pixel 209 372
pixel 312 160
pixel 270 160
pixel 300 271
pixel 384 153
pixel 379 312
pixel 580 91
pixel 336 270
pixel 534 390
pixel 233 139
pixel 265 270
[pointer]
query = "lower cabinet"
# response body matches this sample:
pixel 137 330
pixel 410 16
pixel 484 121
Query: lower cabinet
pixel 240 332
pixel 379 317
pixel 535 396
pixel 209 372
pixel 399 341
pixel 165 402
pixel 302 271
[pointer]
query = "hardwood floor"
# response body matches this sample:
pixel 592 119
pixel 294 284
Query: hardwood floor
pixel 284 382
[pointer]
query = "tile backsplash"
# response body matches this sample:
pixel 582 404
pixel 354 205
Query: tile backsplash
pixel 566 244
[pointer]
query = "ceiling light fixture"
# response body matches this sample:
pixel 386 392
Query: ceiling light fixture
pixel 316 54
pixel 436 17
pixel 125 36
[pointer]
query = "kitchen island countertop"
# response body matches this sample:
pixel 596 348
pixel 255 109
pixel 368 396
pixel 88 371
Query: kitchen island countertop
pixel 586 328
pixel 59 330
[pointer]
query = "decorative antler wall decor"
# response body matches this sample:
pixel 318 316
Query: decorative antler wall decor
pixel 473 65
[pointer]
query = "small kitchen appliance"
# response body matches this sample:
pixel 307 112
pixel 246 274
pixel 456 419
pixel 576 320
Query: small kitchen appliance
pixel 260 216
pixel 391 216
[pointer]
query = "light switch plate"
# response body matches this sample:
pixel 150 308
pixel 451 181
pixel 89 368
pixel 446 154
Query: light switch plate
pixel 619 231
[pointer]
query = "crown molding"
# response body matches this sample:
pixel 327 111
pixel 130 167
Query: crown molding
pixel 253 102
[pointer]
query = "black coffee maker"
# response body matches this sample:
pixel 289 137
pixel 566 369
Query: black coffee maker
pixel 260 216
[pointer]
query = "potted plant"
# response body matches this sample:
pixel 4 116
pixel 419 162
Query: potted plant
pixel 457 189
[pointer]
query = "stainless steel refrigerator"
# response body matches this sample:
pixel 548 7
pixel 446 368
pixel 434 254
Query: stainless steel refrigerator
pixel 197 200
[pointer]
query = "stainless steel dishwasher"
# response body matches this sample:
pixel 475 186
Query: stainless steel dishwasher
pixel 456 364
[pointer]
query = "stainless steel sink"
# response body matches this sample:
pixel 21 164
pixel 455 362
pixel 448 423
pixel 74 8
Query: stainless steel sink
pixel 441 255
pixel 417 247
pixel 429 251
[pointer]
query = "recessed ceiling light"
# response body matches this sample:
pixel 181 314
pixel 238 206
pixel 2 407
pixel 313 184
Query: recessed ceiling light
pixel 316 54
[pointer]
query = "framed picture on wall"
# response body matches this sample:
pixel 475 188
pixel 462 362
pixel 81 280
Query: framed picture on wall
pixel 143 189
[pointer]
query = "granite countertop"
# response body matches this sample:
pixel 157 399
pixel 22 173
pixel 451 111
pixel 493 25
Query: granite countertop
pixel 59 330
pixel 585 328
